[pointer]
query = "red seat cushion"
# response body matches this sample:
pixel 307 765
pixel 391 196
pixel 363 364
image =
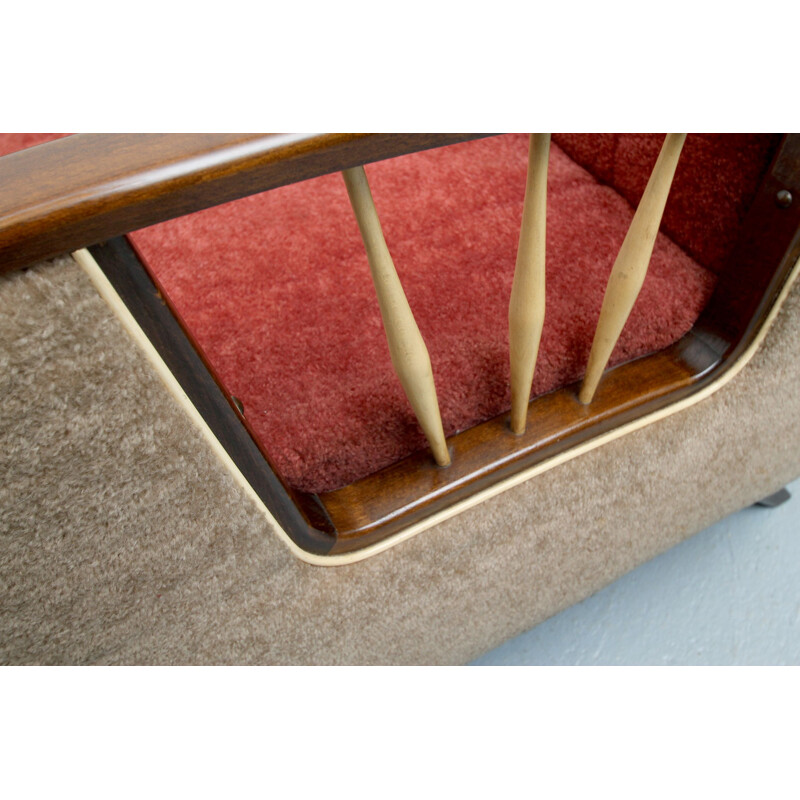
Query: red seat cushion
pixel 276 288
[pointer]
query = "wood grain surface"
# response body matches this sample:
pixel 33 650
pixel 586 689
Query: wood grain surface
pixel 90 187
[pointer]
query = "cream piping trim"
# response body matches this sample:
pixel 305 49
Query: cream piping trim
pixel 120 310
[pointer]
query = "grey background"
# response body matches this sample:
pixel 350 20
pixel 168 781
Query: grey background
pixel 729 595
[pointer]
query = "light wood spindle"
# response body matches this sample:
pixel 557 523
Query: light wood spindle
pixel 526 309
pixel 406 346
pixel 631 265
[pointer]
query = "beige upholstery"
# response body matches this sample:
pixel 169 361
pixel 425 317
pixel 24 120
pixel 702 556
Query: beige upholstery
pixel 123 540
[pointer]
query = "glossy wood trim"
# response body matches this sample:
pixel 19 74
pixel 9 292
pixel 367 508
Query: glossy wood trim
pixel 384 502
pixel 90 187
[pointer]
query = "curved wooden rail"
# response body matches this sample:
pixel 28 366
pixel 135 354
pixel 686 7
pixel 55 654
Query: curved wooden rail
pixel 90 187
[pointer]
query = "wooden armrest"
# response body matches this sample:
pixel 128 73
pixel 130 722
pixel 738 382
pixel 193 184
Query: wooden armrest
pixel 87 188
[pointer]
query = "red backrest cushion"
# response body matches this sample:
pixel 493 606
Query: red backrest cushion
pixel 715 182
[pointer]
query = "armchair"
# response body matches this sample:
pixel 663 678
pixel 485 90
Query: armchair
pixel 516 528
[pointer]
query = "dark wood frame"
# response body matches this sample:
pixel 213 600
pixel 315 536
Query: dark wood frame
pixel 388 501
pixel 90 187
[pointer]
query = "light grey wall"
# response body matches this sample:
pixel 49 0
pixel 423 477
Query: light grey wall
pixel 730 595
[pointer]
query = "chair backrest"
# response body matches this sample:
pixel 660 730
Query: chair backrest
pixel 702 216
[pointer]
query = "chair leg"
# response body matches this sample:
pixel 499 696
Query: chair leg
pixel 777 499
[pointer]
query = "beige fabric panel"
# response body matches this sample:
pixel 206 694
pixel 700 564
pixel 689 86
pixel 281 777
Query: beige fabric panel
pixel 124 540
